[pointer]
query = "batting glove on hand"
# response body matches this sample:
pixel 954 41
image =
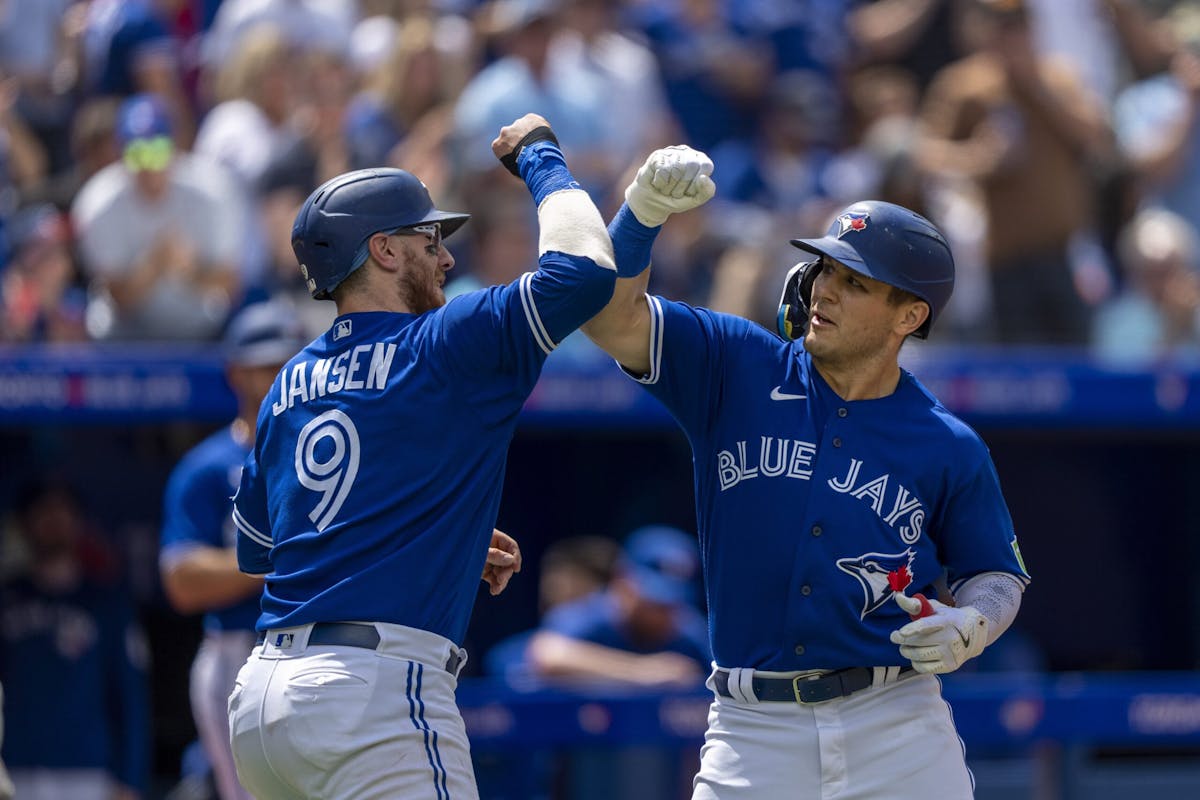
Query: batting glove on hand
pixel 942 641
pixel 672 180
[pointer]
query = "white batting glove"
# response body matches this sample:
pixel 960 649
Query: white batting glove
pixel 672 180
pixel 941 642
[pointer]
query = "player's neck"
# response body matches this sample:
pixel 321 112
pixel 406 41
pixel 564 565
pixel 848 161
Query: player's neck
pixel 365 301
pixel 860 380
pixel 373 295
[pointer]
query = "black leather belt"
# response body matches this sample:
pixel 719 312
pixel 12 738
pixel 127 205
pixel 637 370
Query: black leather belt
pixel 354 634
pixel 804 688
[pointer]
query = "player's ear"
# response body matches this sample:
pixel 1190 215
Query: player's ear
pixel 381 248
pixel 913 314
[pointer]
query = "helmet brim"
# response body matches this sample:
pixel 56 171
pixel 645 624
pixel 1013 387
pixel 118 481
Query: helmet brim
pixel 839 250
pixel 449 220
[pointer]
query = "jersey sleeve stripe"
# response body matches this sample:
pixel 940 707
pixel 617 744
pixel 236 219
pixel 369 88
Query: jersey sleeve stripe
pixel 656 342
pixel 252 533
pixel 531 315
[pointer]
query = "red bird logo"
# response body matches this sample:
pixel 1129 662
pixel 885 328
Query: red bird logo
pixel 852 221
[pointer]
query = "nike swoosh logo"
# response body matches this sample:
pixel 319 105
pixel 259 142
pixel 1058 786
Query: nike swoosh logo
pixel 778 395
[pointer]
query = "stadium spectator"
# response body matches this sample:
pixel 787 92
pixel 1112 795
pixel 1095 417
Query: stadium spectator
pixel 22 156
pixel 1027 133
pixel 714 70
pixel 520 80
pixel 916 36
pixel 161 233
pixel 417 75
pixel 591 49
pixel 136 47
pixel 34 51
pixel 503 240
pixel 310 26
pixel 93 147
pixel 643 630
pixel 73 661
pixel 570 569
pixel 41 299
pixel 1156 316
pixel 256 98
pixel 1157 120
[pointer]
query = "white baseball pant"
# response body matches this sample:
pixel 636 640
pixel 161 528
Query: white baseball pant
pixel 891 742
pixel 338 722
pixel 221 655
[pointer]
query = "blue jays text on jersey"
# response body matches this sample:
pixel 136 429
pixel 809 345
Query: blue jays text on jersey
pixel 375 478
pixel 813 500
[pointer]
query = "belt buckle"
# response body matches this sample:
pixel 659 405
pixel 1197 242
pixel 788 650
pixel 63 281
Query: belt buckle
pixel 809 689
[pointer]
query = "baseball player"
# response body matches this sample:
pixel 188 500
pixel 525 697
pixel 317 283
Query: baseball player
pixel 197 559
pixel 370 494
pixel 831 490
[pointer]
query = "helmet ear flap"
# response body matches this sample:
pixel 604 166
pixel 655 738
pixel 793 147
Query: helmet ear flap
pixel 791 321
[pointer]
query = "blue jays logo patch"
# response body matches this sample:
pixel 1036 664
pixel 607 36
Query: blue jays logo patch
pixel 342 330
pixel 852 221
pixel 871 571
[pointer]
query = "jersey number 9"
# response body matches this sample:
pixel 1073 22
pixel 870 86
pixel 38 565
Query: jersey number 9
pixel 334 475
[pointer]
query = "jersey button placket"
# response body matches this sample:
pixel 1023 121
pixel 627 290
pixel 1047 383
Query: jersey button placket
pixel 816 530
pixel 798 650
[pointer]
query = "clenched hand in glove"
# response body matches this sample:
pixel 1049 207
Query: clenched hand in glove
pixel 942 641
pixel 672 180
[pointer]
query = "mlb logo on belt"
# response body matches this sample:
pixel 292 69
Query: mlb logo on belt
pixel 283 640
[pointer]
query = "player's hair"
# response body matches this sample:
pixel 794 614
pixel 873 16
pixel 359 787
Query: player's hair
pixel 595 556
pixel 350 285
pixel 898 296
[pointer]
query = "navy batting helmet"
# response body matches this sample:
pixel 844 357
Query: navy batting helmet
pixel 883 241
pixel 337 220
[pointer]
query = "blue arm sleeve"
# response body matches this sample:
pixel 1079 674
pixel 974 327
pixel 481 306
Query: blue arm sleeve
pixel 544 170
pixel 252 521
pixel 632 242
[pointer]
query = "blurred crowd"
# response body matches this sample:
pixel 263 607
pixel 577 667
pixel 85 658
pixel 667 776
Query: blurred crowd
pixel 153 152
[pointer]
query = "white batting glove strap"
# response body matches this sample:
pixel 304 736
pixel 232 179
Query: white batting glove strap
pixel 942 642
pixel 672 180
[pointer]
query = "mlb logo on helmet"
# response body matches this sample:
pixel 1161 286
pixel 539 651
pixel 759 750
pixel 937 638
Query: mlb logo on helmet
pixel 852 221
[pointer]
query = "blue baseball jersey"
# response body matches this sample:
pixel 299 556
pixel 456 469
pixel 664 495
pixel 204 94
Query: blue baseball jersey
pixel 73 666
pixel 807 503
pixel 374 484
pixel 196 512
